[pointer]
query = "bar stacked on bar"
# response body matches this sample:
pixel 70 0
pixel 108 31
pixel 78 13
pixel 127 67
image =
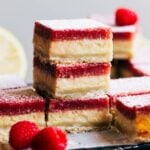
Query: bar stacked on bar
pixel 72 68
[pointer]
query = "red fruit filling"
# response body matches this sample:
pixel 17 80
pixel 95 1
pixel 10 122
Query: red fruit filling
pixel 77 70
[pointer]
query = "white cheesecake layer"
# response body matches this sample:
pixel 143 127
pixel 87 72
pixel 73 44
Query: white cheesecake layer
pixel 80 120
pixel 70 87
pixel 6 121
pixel 123 49
pixel 74 50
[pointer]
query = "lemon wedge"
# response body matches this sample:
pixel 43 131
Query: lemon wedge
pixel 12 55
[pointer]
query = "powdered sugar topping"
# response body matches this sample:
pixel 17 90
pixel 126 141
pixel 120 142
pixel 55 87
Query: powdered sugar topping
pixel 72 24
pixel 129 86
pixel 137 101
pixel 20 95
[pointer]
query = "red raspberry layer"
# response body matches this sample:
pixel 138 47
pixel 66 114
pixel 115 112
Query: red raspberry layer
pixel 73 70
pixel 78 104
pixel 123 35
pixel 131 105
pixel 72 34
pixel 128 112
pixel 20 101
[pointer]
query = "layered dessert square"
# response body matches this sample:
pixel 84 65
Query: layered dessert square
pixel 11 81
pixel 124 37
pixel 133 116
pixel 72 40
pixel 80 115
pixel 78 80
pixel 21 104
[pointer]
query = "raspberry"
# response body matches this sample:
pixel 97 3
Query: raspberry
pixel 50 138
pixel 21 134
pixel 125 16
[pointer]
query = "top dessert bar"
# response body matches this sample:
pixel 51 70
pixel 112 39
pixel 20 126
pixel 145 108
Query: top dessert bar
pixel 11 81
pixel 74 40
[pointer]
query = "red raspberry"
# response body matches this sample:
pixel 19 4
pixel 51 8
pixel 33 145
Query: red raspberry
pixel 50 138
pixel 125 16
pixel 21 134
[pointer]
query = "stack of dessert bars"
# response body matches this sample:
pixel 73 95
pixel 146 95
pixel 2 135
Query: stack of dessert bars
pixel 72 70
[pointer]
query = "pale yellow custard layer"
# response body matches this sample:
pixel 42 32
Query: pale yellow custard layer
pixel 7 121
pixel 96 50
pixel 123 49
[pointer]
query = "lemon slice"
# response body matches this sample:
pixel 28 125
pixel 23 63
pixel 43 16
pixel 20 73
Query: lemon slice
pixel 12 55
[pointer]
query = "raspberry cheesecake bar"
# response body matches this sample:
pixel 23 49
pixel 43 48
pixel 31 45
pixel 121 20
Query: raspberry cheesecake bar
pixel 71 80
pixel 70 54
pixel 133 116
pixel 74 41
pixel 124 28
pixel 20 104
pixel 80 115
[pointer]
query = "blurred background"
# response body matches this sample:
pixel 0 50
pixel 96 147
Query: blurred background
pixel 19 16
